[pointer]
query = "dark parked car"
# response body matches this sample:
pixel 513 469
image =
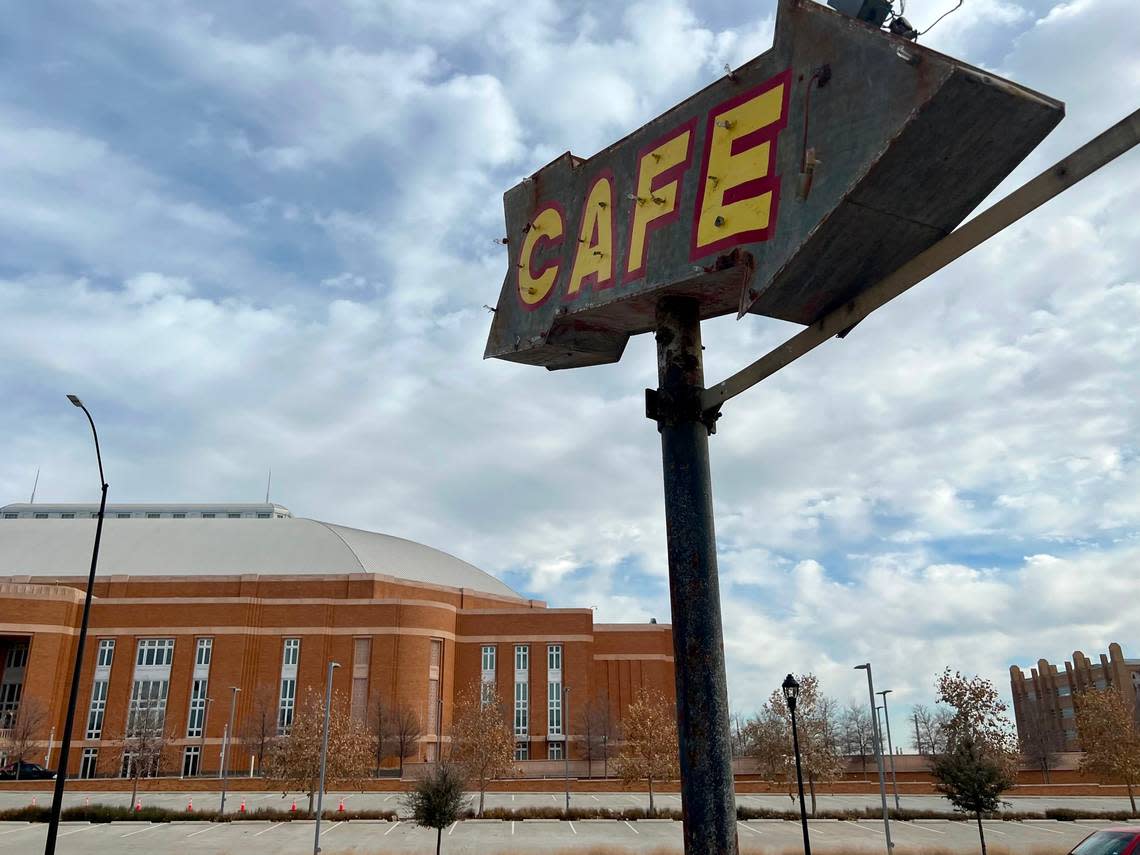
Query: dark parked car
pixel 1122 840
pixel 28 772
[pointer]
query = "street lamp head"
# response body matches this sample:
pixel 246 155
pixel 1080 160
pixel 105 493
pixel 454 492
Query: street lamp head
pixel 75 400
pixel 884 692
pixel 791 690
pixel 863 667
pixel 335 664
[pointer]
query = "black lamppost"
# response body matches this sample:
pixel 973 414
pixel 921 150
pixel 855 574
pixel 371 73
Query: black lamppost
pixel 791 693
pixel 65 744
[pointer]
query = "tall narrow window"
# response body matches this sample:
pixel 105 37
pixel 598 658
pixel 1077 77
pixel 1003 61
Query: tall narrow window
pixel 487 673
pixel 554 716
pixel 103 660
pixel 522 691
pixel 88 762
pixel 361 655
pixel 288 697
pixel 146 714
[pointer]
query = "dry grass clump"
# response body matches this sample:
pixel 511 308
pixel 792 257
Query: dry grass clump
pixel 791 850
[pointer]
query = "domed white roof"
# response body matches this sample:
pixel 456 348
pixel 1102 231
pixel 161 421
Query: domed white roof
pixel 194 547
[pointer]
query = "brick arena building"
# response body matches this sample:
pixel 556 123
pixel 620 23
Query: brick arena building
pixel 191 600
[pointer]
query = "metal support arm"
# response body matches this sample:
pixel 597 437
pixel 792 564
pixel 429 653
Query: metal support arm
pixel 1079 165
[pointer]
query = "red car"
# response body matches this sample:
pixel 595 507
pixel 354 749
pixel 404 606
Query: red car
pixel 1122 840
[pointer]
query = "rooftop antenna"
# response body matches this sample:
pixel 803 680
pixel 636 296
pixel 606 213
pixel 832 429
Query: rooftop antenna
pixel 32 500
pixel 267 483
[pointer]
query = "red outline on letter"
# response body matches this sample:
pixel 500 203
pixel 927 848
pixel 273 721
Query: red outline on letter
pixel 590 279
pixel 672 173
pixel 771 181
pixel 555 243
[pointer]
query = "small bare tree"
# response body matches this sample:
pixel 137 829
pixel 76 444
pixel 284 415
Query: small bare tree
pixel 650 750
pixel 481 740
pixel 596 726
pixel 24 731
pixel 296 758
pixel 818 733
pixel 380 717
pixel 980 715
pixel 1109 737
pixel 858 732
pixel 405 730
pixel 258 730
pixel 144 742
pixel 931 728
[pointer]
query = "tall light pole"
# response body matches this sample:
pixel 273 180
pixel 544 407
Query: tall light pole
pixel 566 747
pixel 73 698
pixel 890 747
pixel 324 755
pixel 439 725
pixel 225 746
pixel 791 694
pixel 878 753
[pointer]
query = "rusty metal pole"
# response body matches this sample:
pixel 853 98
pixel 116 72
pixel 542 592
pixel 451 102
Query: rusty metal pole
pixel 708 803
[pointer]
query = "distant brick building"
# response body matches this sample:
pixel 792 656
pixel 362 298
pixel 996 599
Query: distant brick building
pixel 192 600
pixel 1043 701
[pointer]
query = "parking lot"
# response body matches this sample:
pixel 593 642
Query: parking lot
pixel 552 798
pixel 491 837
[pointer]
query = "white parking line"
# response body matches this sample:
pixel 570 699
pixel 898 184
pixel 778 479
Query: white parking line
pixel 512 826
pixel 631 828
pixel 209 827
pixel 331 828
pixel 572 828
pixel 749 828
pixel 150 827
pixel 872 830
pixel 77 830
pixel 924 828
pixel 259 833
pixel 452 828
pixel 995 831
pixel 21 828
pixel 387 798
pixel 390 830
pixel 595 798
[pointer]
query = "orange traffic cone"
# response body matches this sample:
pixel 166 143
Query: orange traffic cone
pixel 340 809
pixel 242 808
pixel 190 805
pixel 294 808
pixel 138 805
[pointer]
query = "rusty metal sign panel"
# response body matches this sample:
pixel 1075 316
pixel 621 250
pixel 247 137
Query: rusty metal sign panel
pixel 783 189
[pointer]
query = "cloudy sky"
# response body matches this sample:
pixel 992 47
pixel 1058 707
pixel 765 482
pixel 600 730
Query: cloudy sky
pixel 260 235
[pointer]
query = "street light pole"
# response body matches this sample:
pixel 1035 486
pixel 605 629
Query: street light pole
pixel 878 753
pixel 324 755
pixel 791 694
pixel 73 698
pixel 225 746
pixel 890 747
pixel 566 747
pixel 606 756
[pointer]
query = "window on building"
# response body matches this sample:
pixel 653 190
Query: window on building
pixel 127 764
pixel 9 704
pixel 96 710
pixel 191 759
pixel 17 656
pixel 208 516
pixel 155 651
pixel 554 657
pixel 554 751
pixel 123 516
pixel 179 516
pixel 67 516
pixel 288 703
pixel 522 718
pixel 1070 733
pixel 197 718
pixel 233 516
pixel 488 658
pixel 204 652
pixel 1066 712
pixel 1063 691
pixel 41 516
pixel 151 516
pixel 522 657
pixel 11 516
pixel 88 762
pixel 264 516
pixel 292 651
pixel 361 660
pixel 106 653
pixel 554 709
pixel 522 751
pixel 147 712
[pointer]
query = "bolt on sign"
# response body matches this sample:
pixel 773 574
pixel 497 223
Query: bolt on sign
pixel 783 189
